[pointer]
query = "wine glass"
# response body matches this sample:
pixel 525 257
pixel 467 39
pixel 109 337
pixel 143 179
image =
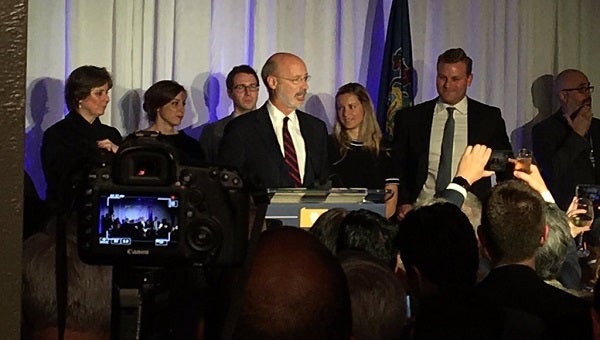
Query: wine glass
pixel 583 219
pixel 524 161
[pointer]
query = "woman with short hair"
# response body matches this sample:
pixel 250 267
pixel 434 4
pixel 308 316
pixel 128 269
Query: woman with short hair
pixel 74 144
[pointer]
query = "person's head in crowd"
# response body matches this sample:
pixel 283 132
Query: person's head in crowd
pixel 242 87
pixel 368 231
pixel 573 90
pixel 472 208
pixel 86 91
pixel 164 103
pixel 453 75
pixel 378 298
pixel 286 79
pixel 513 225
pixel 327 227
pixel 355 118
pixel 89 293
pixel 550 257
pixel 296 289
pixel 438 248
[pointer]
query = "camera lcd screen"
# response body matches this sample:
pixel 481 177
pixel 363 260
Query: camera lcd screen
pixel 589 191
pixel 499 160
pixel 144 220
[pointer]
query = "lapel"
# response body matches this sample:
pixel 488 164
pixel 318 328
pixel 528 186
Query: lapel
pixel 264 130
pixel 304 131
pixel 475 128
pixel 426 120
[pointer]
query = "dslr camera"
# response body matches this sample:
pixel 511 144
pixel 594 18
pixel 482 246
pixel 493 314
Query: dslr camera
pixel 144 208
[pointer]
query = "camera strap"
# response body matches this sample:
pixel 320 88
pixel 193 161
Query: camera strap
pixel 237 296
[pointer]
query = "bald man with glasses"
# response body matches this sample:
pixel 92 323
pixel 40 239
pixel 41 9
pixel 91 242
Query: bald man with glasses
pixel 278 145
pixel 566 145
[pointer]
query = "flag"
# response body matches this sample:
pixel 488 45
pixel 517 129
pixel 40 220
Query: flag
pixel 395 85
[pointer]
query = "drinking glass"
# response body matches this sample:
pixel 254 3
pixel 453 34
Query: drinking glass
pixel 583 219
pixel 524 160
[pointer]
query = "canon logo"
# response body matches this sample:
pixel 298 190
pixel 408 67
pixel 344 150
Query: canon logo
pixel 137 252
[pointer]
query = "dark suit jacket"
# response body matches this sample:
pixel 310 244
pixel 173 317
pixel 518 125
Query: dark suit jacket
pixel 517 286
pixel 69 150
pixel 412 131
pixel 563 156
pixel 211 136
pixel 250 145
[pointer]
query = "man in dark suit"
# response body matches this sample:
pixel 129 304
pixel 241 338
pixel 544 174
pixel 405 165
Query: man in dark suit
pixel 513 227
pixel 566 145
pixel 254 142
pixel 242 87
pixel 419 130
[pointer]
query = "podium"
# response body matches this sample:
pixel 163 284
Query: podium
pixel 300 207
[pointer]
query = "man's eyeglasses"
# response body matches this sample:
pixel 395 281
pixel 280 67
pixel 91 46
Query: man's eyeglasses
pixel 242 88
pixel 297 80
pixel 582 89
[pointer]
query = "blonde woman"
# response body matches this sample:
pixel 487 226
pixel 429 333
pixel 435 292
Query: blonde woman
pixel 357 153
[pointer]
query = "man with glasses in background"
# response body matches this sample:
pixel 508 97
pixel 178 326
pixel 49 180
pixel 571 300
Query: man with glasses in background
pixel 278 146
pixel 242 87
pixel 566 145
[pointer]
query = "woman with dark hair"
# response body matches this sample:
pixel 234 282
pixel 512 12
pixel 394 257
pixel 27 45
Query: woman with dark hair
pixel 164 103
pixel 73 144
pixel 356 149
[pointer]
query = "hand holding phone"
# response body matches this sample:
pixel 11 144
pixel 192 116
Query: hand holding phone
pixel 499 160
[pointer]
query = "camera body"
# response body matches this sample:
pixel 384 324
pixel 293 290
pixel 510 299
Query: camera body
pixel 146 209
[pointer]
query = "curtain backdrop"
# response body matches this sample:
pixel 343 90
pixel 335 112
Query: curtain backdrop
pixel 517 47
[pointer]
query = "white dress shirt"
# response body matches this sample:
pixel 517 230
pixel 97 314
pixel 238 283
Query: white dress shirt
pixel 435 142
pixel 276 117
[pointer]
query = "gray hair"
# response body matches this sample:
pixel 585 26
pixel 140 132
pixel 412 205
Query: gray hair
pixel 550 257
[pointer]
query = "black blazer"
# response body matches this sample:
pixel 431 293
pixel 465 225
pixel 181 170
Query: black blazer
pixel 210 137
pixel 518 287
pixel 564 156
pixel 69 150
pixel 412 131
pixel 250 145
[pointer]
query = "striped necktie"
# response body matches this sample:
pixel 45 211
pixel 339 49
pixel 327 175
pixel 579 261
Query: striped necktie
pixel 290 155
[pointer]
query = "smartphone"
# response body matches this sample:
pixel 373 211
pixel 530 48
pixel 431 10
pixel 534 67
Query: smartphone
pixel 589 191
pixel 499 161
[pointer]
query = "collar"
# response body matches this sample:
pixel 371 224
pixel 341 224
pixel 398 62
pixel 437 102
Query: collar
pixel 78 119
pixel 461 106
pixel 277 116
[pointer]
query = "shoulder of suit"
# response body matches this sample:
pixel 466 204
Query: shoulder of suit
pixel 419 107
pixel 219 123
pixel 307 117
pixel 553 120
pixel 246 118
pixel 477 105
pixel 410 112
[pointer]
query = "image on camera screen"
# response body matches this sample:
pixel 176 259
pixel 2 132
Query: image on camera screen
pixel 589 191
pixel 141 220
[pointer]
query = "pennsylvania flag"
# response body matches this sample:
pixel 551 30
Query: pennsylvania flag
pixel 395 86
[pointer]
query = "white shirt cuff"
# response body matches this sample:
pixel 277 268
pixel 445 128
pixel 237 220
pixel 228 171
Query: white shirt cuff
pixel 456 187
pixel 547 196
